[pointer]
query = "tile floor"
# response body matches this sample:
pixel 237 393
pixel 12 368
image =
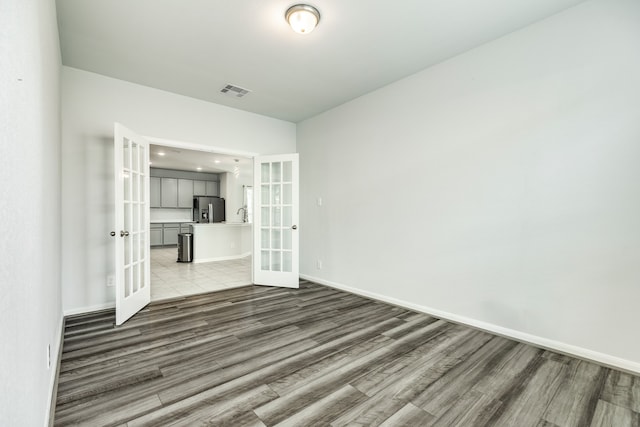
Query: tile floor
pixel 171 279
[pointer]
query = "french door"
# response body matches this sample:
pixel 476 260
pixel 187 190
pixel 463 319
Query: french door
pixel 131 166
pixel 275 228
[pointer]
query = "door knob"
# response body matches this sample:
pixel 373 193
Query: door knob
pixel 113 233
pixel 294 227
pixel 124 233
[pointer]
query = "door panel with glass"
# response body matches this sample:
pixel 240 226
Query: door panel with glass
pixel 131 166
pixel 275 226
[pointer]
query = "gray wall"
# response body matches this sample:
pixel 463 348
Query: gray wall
pixel 91 105
pixel 30 302
pixel 500 188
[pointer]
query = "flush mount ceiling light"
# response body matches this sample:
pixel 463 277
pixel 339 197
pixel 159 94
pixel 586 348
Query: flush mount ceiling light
pixel 302 18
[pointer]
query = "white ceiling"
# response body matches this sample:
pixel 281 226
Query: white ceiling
pixel 195 47
pixel 190 160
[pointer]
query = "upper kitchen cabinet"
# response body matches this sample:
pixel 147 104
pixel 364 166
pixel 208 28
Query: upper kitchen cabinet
pixel 185 193
pixel 169 192
pixel 199 188
pixel 175 189
pixel 154 188
pixel 211 188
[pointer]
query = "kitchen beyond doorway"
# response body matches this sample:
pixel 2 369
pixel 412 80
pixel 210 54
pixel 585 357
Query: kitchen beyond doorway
pixel 170 279
pixel 235 172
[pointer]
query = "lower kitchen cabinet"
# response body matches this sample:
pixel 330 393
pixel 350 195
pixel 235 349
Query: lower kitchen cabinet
pixel 156 236
pixel 166 234
pixel 170 235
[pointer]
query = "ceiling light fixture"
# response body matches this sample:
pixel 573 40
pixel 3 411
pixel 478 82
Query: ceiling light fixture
pixel 199 168
pixel 160 153
pixel 302 18
pixel 216 161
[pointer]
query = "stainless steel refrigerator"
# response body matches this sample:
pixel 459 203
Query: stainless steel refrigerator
pixel 208 209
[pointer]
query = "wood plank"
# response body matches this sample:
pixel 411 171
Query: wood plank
pixel 441 395
pixel 409 416
pixel 324 410
pixel 525 404
pixel 87 390
pixel 622 389
pixel 610 415
pixel 288 383
pixel 472 408
pixel 521 362
pixel 575 403
pixel 93 416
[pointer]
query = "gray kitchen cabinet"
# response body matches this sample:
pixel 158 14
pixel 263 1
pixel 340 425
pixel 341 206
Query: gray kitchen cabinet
pixel 185 228
pixel 199 188
pixel 185 193
pixel 169 192
pixel 154 190
pixel 155 236
pixel 212 188
pixel 170 234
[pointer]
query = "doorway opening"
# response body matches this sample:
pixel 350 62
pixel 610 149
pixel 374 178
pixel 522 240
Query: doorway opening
pixel 222 249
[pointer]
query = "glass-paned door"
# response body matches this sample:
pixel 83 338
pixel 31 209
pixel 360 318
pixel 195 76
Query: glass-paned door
pixel 131 174
pixel 275 250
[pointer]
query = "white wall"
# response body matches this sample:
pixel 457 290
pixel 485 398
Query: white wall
pixel 91 103
pixel 234 193
pixel 511 181
pixel 30 305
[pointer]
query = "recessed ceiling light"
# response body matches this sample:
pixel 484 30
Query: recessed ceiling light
pixel 199 168
pixel 150 163
pixel 216 161
pixel 160 153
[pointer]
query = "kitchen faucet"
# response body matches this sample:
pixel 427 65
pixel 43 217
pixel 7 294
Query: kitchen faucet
pixel 244 213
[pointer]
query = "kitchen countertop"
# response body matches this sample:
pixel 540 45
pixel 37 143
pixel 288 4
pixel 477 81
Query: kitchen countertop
pixel 170 221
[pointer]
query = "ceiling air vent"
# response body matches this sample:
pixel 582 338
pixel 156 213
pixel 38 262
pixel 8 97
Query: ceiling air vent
pixel 234 91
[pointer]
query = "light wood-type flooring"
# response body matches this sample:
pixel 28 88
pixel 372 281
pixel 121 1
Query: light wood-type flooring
pixel 316 356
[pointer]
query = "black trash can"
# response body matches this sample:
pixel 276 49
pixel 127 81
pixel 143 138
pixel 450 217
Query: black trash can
pixel 185 247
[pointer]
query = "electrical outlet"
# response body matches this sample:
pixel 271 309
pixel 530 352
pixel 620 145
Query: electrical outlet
pixel 111 281
pixel 48 356
pixel 319 201
pixel 319 264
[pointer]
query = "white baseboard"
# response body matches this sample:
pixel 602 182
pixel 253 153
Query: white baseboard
pixel 557 346
pixel 55 367
pixel 89 309
pixel 224 258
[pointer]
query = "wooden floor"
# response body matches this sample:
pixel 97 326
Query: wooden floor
pixel 316 356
